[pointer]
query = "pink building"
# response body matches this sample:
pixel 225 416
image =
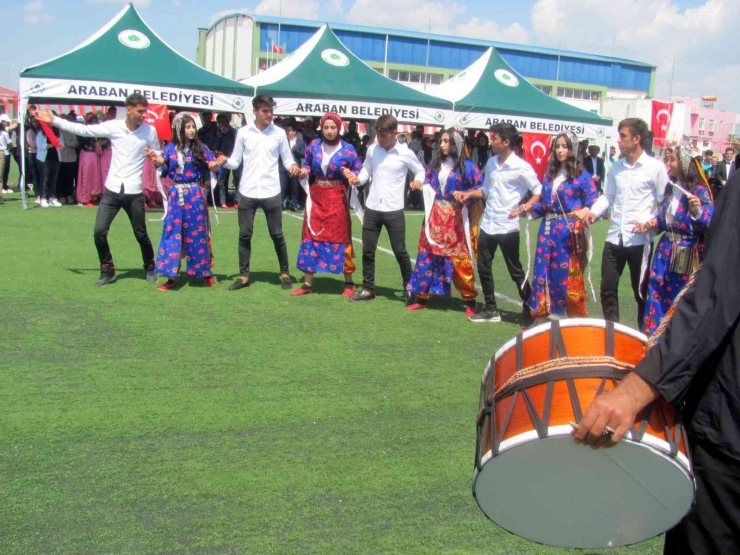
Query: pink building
pixel 709 127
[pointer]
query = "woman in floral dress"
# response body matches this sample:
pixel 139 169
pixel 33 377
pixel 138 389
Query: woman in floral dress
pixel 558 288
pixel 445 245
pixel 331 168
pixel 684 219
pixel 186 234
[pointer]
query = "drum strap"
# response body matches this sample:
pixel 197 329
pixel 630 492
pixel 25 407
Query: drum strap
pixel 519 352
pixel 557 345
pixel 609 336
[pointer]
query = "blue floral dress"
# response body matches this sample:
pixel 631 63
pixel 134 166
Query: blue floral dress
pixel 326 245
pixel 557 286
pixel 447 262
pixel 675 219
pixel 186 231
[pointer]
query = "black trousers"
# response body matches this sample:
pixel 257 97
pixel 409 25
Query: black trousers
pixel 66 181
pixel 613 261
pixel 713 524
pixel 32 175
pixel 49 180
pixel 395 223
pixel 222 189
pixel 6 172
pixel 509 243
pixel 273 209
pixel 289 190
pixel 133 205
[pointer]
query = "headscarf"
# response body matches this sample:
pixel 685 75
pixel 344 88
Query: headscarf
pixel 337 119
pixel 684 151
pixel 178 130
pixel 457 135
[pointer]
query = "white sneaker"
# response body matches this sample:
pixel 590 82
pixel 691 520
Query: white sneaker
pixel 44 203
pixel 55 203
pixel 37 201
pixel 7 191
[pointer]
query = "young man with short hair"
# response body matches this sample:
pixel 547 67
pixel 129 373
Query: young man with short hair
pixel 509 179
pixel 388 162
pixel 634 187
pixel 132 141
pixel 258 147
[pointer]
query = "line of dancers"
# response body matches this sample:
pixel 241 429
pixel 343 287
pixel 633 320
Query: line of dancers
pixel 469 213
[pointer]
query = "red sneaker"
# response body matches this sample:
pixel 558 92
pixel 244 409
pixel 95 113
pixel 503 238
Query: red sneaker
pixel 301 291
pixel 349 291
pixel 169 284
pixel 224 207
pixel 208 282
pixel 90 204
pixel 236 206
pixel 417 306
pixel 469 311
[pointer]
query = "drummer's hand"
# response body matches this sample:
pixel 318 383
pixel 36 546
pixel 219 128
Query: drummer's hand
pixel 617 409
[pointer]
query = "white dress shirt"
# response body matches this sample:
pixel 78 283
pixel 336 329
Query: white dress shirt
pixel 634 192
pixel 388 170
pixel 4 140
pixel 259 152
pixel 129 150
pixel 504 188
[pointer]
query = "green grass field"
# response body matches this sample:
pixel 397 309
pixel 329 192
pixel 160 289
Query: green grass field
pixel 208 421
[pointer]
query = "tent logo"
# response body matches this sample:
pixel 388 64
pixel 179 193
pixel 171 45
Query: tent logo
pixel 439 116
pixel 600 131
pixel 465 119
pixel 37 87
pixel 133 39
pixel 334 57
pixel 505 77
pixel 238 103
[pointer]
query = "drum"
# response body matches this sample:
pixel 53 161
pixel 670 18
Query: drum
pixel 533 480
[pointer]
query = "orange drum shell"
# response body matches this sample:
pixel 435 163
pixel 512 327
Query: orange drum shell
pixel 580 341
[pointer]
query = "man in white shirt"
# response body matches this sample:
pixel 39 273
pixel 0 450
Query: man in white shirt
pixel 388 163
pixel 634 187
pixel 508 180
pixel 132 141
pixel 258 147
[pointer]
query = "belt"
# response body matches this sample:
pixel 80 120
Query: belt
pixel 181 190
pixel 443 203
pixel 553 216
pixel 328 183
pixel 675 237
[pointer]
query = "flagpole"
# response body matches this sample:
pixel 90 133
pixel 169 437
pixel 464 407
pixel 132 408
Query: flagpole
pixel 429 43
pixel 280 17
pixel 557 72
pixel 670 87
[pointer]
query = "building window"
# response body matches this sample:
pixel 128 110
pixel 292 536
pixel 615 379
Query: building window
pixel 414 77
pixel 434 79
pixel 547 89
pixel 595 96
pixel 701 124
pixel 576 94
pixel 711 128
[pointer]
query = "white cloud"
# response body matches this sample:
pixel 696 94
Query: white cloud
pixel 296 9
pixel 488 29
pixel 33 13
pixel 418 14
pixel 653 32
pixel 142 3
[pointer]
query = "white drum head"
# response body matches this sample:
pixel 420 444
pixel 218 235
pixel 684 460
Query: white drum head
pixel 554 492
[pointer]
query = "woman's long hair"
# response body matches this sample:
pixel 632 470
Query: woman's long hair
pixel 196 147
pixel 572 165
pixel 457 157
pixel 690 178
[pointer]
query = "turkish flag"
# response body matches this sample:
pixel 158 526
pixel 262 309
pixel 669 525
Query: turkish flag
pixel 158 116
pixel 536 151
pixel 277 49
pixel 7 105
pixel 661 120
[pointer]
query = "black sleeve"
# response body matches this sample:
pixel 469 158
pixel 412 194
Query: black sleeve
pixel 708 311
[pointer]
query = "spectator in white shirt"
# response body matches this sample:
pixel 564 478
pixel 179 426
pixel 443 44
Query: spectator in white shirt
pixel 634 187
pixel 387 163
pixel 132 142
pixel 508 180
pixel 4 154
pixel 258 147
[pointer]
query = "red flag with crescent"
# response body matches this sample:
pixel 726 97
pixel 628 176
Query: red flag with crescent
pixel 661 120
pixel 158 116
pixel 536 151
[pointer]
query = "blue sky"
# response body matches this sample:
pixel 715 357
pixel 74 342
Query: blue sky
pixel 699 33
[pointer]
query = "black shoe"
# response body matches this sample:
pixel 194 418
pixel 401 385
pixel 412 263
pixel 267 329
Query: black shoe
pixel 527 319
pixel 106 277
pixel 285 283
pixel 362 295
pixel 486 315
pixel 238 284
pixel 408 298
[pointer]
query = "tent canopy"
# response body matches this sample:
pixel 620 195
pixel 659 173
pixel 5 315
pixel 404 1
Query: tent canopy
pixel 125 56
pixel 490 91
pixel 323 75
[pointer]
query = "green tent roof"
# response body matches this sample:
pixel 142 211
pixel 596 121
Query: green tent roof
pixel 127 50
pixel 323 68
pixel 490 86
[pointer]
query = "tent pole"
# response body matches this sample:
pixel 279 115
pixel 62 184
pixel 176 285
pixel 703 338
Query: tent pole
pixel 22 149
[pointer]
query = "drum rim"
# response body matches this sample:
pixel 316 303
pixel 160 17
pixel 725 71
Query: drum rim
pixel 676 461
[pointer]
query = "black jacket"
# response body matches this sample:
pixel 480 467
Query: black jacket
pixel 588 165
pixel 696 363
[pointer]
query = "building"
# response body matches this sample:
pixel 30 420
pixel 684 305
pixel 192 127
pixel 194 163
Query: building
pixel 697 118
pixel 240 45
